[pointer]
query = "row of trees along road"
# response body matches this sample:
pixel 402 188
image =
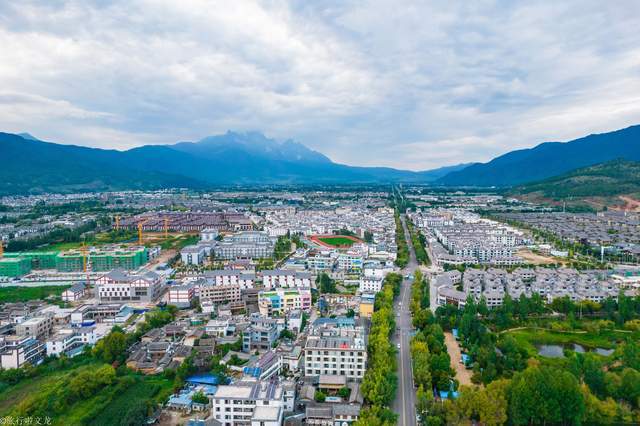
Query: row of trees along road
pixel 380 380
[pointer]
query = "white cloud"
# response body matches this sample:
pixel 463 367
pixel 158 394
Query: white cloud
pixel 404 84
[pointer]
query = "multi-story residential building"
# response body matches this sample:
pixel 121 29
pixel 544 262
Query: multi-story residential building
pixel 285 278
pixel 248 403
pixel 211 292
pixel 335 355
pixel 16 351
pixel 71 341
pixel 350 261
pixel 39 327
pixel 245 279
pixel 260 335
pixel 118 286
pixel 181 295
pixel 280 301
pixel 193 255
pixel 370 285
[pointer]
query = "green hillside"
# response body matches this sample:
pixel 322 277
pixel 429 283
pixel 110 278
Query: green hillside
pixel 618 177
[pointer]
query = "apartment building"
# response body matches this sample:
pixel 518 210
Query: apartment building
pixel 193 255
pixel 248 403
pixel 370 285
pixel 224 293
pixel 39 327
pixel 71 341
pixel 245 279
pixel 119 286
pixel 335 355
pixel 181 295
pixel 285 278
pixel 16 351
pixel 281 301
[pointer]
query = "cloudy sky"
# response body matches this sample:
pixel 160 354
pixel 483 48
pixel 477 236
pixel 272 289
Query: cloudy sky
pixel 406 84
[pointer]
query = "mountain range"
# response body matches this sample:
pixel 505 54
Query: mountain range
pixel 549 159
pixel 33 166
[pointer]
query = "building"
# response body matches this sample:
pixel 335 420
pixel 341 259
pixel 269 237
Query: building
pixel 71 341
pixel 245 279
pixel 335 355
pixel 193 255
pixel 118 286
pixel 74 293
pixel 260 335
pixel 248 403
pixel 370 285
pixel 285 278
pixel 181 295
pixel 367 302
pixel 38 327
pixel 14 266
pixel 99 259
pixel 209 234
pixel 280 301
pixel 188 221
pixel 16 351
pixel 245 245
pixel 217 294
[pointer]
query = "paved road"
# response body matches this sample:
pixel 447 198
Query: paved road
pixel 404 403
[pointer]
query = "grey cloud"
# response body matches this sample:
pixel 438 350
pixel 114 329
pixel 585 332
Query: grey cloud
pixel 404 84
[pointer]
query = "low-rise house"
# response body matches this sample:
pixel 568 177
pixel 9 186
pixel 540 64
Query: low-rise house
pixel 74 293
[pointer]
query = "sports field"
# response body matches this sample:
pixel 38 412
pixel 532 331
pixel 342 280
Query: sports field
pixel 335 240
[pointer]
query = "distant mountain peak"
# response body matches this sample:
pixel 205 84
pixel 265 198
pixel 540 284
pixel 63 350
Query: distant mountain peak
pixel 28 136
pixel 253 143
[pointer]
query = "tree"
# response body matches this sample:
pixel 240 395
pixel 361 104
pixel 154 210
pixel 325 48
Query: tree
pixel 319 396
pixel 344 392
pixel 112 347
pixel 200 398
pixel 545 395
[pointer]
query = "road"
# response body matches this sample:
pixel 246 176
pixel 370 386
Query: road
pixel 404 404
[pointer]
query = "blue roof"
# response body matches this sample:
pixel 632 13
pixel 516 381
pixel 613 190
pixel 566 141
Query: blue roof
pixel 203 379
pixel 252 371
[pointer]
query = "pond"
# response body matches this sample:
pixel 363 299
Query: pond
pixel 557 351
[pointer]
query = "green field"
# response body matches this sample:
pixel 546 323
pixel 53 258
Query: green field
pixel 45 395
pixel 337 241
pixel 24 294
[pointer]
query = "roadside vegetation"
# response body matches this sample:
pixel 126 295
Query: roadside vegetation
pixel 419 242
pixel 380 380
pixel 402 258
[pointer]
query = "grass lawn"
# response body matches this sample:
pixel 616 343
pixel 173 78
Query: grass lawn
pixel 60 246
pixel 23 294
pixel 529 337
pixel 337 241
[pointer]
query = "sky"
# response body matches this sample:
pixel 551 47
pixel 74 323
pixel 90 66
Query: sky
pixel 412 85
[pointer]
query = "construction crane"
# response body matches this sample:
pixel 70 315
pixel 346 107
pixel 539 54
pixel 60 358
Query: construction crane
pixel 140 225
pixel 85 261
pixel 166 227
